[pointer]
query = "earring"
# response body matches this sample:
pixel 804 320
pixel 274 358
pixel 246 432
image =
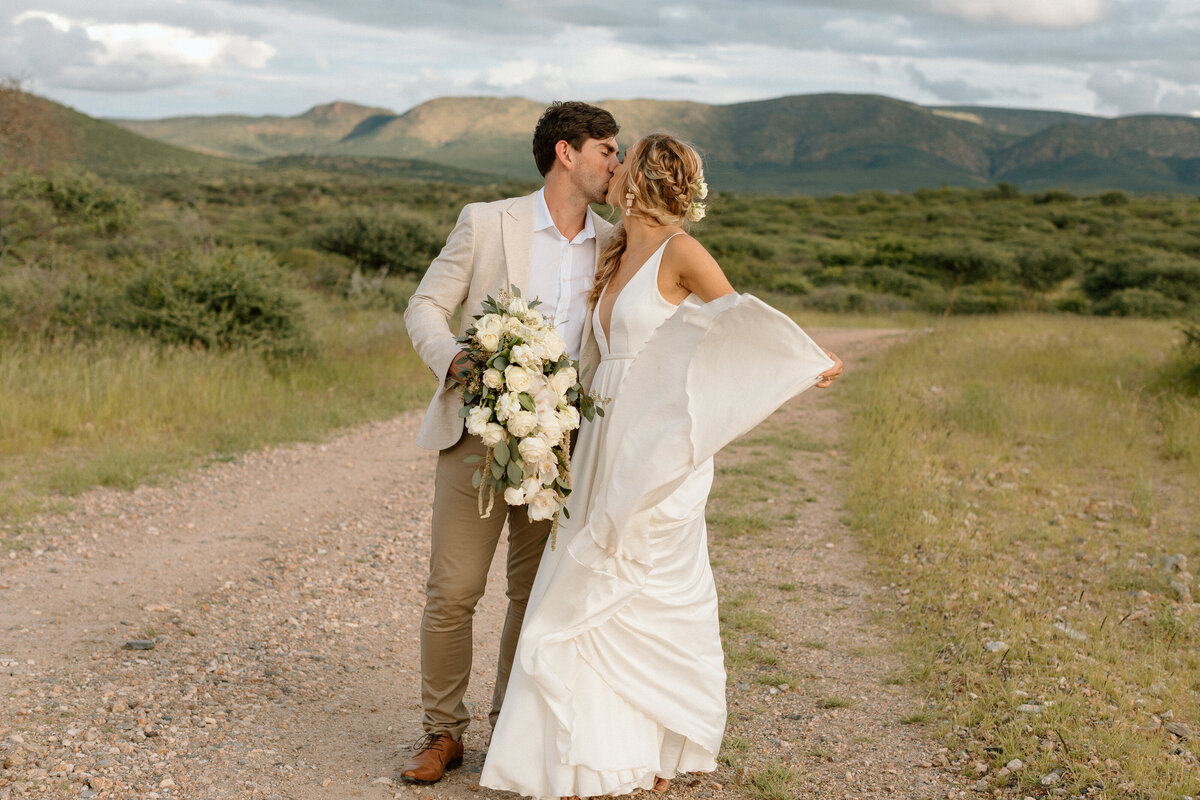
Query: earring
pixel 628 204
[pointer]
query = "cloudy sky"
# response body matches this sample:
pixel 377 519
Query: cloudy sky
pixel 153 58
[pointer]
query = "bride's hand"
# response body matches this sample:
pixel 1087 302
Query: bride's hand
pixel 830 375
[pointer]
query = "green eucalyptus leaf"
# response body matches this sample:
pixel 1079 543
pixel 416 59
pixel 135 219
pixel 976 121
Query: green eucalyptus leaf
pixel 472 459
pixel 477 478
pixel 515 473
pixel 497 469
pixel 500 455
pixel 526 401
pixel 464 411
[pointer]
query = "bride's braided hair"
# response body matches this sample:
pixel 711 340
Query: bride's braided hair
pixel 661 176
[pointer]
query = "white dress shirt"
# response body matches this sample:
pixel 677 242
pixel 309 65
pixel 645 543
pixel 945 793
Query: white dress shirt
pixel 561 273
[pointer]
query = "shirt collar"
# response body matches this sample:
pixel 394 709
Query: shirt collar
pixel 543 221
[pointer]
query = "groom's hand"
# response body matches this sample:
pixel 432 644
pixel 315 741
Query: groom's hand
pixel 461 367
pixel 830 375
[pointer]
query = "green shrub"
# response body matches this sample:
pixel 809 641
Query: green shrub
pixel 398 241
pixel 1169 275
pixel 1114 198
pixel 327 272
pixel 80 198
pixel 231 299
pixel 1044 268
pixel 1138 303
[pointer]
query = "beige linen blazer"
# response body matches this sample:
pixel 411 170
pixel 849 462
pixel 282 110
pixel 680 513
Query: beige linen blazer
pixel 490 248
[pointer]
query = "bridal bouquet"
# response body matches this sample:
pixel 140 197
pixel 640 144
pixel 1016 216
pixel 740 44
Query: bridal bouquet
pixel 523 398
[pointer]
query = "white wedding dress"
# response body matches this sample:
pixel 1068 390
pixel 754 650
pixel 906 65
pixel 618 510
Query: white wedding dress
pixel 619 674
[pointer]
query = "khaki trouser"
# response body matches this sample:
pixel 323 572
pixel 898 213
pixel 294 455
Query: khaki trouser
pixel 461 551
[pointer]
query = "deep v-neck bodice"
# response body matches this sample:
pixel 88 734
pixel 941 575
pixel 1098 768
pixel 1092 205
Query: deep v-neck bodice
pixel 636 311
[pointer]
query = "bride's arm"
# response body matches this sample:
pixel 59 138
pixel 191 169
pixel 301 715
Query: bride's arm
pixel 687 268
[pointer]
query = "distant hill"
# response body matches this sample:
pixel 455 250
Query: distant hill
pixel 105 148
pixel 413 169
pixel 808 143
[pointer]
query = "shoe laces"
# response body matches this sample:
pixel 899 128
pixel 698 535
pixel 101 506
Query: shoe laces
pixel 429 740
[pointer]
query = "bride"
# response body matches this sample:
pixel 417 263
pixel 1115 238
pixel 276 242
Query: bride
pixel 618 682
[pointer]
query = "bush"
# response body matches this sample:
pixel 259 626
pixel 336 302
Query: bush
pixel 393 240
pixel 1043 269
pixel 327 272
pixel 80 198
pixel 841 299
pixel 1113 198
pixel 231 299
pixel 1169 275
pixel 1138 303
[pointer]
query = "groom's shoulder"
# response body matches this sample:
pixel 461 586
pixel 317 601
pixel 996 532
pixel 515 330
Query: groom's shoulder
pixel 494 208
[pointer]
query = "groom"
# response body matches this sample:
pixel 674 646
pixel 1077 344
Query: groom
pixel 546 244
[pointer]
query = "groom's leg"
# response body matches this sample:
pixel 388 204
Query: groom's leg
pixel 461 550
pixel 526 542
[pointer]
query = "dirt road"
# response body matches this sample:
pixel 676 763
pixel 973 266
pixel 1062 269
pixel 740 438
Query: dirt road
pixel 280 595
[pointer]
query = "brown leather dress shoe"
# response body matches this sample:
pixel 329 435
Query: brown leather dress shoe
pixel 436 753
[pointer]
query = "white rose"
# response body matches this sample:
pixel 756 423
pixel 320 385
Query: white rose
pixel 492 434
pixel 490 323
pixel 563 380
pixel 535 318
pixel 533 449
pixel 522 423
pixel 550 427
pixel 512 325
pixel 555 345
pixel 702 191
pixel 518 307
pixel 543 505
pixel 568 418
pixel 527 356
pixel 493 378
pixel 517 378
pixel 507 404
pixel 514 496
pixel 477 419
pixel 488 340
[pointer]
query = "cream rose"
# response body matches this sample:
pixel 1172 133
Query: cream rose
pixel 507 404
pixel 543 505
pixel 551 428
pixel 563 380
pixel 493 378
pixel 533 449
pixel 522 423
pixel 535 318
pixel 488 340
pixel 477 419
pixel 518 307
pixel 568 418
pixel 517 378
pixel 527 356
pixel 530 486
pixel 514 496
pixel 492 434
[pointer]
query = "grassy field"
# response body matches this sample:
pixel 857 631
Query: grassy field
pixel 1028 488
pixel 123 411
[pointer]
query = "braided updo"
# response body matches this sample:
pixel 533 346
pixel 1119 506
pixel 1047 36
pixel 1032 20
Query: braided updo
pixel 663 180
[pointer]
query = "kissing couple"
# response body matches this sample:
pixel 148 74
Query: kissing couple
pixel 611 676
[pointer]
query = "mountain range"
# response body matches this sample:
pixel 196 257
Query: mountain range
pixel 808 143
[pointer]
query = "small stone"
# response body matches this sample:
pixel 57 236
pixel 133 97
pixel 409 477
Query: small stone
pixel 100 784
pixel 1015 765
pixel 1051 778
pixel 1029 708
pixel 995 647
pixel 1182 731
pixel 1066 629
pixel 140 644
pixel 980 786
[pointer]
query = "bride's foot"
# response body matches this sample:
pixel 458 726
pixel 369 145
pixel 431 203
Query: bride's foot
pixel 661 784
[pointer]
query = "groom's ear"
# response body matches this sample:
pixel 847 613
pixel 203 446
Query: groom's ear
pixel 565 154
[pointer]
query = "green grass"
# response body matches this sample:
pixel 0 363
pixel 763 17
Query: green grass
pixel 1025 479
pixel 124 411
pixel 772 782
pixel 835 701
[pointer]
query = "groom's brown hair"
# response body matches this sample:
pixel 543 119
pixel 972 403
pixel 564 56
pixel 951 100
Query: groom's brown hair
pixel 572 122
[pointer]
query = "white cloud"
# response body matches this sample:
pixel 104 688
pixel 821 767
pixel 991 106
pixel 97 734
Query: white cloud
pixel 1124 92
pixel 1053 14
pixel 99 56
